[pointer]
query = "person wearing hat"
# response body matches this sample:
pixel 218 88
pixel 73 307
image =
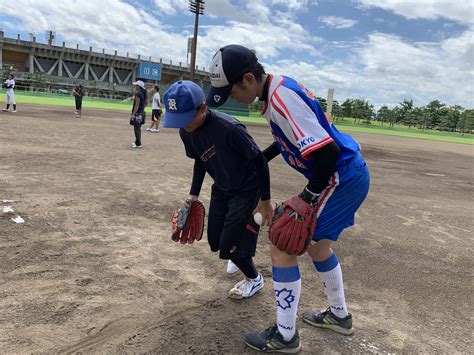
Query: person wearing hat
pixel 338 182
pixel 137 118
pixel 221 146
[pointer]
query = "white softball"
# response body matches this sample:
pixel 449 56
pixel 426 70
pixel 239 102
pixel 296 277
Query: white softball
pixel 258 218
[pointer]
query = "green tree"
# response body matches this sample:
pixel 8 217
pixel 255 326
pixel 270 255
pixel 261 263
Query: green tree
pixel 405 112
pixel 383 114
pixel 450 117
pixel 346 108
pixel 434 111
pixel 466 121
pixel 358 109
pixel 322 102
pixel 336 109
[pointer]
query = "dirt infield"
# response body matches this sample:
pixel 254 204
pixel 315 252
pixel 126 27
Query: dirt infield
pixel 93 270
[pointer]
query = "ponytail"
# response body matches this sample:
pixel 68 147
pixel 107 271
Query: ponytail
pixel 145 97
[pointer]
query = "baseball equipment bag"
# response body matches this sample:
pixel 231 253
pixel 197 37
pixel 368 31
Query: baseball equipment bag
pixel 293 225
pixel 187 223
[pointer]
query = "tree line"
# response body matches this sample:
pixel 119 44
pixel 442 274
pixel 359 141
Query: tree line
pixel 435 115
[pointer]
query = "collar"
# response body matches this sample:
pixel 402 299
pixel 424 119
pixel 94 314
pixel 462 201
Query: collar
pixel 266 86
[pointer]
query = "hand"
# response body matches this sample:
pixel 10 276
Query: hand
pixel 266 209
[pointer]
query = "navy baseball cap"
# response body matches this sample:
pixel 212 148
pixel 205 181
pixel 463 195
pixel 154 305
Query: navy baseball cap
pixel 227 67
pixel 182 100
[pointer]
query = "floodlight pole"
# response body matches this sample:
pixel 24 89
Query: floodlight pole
pixel 196 7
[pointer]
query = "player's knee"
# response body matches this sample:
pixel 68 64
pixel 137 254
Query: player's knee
pixel 320 250
pixel 281 258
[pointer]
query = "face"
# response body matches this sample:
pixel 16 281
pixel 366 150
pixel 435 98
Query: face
pixel 197 121
pixel 246 91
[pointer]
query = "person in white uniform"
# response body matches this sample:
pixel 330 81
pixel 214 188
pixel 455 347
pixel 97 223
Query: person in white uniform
pixel 10 84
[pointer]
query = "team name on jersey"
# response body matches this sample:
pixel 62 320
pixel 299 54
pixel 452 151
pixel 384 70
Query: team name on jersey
pixel 208 154
pixel 305 141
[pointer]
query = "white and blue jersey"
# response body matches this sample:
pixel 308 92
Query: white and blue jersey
pixel 300 127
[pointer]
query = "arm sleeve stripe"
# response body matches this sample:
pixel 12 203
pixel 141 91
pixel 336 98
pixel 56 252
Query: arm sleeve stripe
pixel 283 115
pixel 306 151
pixel 280 101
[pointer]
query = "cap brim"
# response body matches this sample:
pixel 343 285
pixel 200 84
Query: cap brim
pixel 178 120
pixel 218 96
pixel 136 83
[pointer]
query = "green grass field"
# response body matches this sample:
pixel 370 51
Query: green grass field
pixel 343 124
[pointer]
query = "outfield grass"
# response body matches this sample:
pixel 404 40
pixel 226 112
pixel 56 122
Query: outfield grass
pixel 57 100
pixel 342 124
pixel 399 131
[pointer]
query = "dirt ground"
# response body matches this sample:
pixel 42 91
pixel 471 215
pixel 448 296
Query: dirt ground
pixel 93 269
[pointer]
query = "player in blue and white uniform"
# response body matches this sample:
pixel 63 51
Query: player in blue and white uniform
pixel 338 183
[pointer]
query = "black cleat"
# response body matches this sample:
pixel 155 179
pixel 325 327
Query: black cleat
pixel 329 320
pixel 271 341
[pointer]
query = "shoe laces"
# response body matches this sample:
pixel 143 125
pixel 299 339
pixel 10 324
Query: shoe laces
pixel 327 311
pixel 271 331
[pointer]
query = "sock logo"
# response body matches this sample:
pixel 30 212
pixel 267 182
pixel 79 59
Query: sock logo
pixel 284 298
pixel 287 327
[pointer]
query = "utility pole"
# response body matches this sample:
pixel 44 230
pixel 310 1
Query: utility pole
pixel 196 7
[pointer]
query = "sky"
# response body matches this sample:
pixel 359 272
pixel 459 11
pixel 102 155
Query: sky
pixel 384 51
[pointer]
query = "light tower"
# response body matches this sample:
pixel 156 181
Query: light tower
pixel 196 7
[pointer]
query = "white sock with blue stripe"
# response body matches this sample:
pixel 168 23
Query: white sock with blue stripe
pixel 287 284
pixel 331 275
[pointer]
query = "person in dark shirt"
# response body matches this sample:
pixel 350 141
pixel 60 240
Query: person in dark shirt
pixel 221 146
pixel 137 119
pixel 78 93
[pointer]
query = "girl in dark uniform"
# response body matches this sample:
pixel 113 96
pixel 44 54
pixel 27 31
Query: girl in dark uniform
pixel 137 119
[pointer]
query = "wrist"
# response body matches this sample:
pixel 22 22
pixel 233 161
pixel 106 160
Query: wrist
pixel 309 196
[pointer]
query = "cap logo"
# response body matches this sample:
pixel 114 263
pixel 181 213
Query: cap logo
pixel 217 98
pixel 172 104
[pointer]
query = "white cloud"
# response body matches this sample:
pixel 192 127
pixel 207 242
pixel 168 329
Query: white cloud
pixel 295 5
pixel 337 22
pixel 385 69
pixel 172 7
pixel 457 10
pixel 381 67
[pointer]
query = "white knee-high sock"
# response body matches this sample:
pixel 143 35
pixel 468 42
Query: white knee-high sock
pixel 331 275
pixel 287 284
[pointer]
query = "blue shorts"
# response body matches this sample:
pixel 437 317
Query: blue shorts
pixel 339 202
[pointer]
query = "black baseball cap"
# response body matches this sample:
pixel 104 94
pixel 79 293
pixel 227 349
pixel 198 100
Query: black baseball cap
pixel 227 67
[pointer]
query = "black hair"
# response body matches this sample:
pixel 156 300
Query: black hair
pixel 257 72
pixel 145 96
pixel 11 75
pixel 157 88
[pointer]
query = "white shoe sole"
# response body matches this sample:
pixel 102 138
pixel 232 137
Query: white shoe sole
pixel 236 294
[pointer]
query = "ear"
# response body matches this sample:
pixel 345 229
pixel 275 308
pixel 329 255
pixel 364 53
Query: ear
pixel 248 78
